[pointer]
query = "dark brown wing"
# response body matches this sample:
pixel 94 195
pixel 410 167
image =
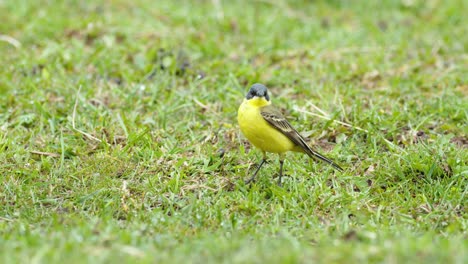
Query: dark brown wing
pixel 277 120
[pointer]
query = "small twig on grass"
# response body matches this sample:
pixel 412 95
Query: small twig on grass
pixel 10 40
pixel 6 219
pixel 202 105
pixel 326 117
pixel 73 119
pixel 330 119
pixel 55 155
pixel 318 109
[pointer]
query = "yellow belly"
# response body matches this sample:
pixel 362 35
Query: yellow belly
pixel 259 132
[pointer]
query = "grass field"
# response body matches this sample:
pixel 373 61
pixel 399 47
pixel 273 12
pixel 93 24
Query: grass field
pixel 119 141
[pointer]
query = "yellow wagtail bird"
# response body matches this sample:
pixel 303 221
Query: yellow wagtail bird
pixel 267 129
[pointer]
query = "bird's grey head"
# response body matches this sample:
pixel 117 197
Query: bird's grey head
pixel 258 90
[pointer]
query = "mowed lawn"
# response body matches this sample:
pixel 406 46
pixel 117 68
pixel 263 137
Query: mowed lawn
pixel 119 140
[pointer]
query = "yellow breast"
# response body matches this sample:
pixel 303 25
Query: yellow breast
pixel 258 131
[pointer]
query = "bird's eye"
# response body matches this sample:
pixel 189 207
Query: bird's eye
pixel 250 94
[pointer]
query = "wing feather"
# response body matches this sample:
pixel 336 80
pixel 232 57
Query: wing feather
pixel 277 120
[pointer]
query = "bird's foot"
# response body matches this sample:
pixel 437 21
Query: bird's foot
pixel 250 180
pixel 280 184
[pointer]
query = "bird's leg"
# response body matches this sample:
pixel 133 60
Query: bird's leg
pixel 280 170
pixel 251 179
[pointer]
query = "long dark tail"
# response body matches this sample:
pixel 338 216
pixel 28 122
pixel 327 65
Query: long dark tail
pixel 304 147
pixel 315 154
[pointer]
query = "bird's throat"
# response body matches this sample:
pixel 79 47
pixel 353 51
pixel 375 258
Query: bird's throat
pixel 258 102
